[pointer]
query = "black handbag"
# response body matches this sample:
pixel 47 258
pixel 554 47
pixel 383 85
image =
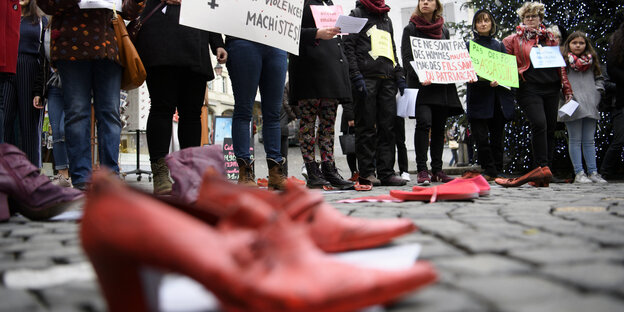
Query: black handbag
pixel 347 143
pixel 135 26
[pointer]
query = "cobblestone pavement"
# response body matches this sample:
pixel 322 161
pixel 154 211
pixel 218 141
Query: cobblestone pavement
pixel 525 249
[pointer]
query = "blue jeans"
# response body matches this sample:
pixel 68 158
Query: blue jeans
pixel 251 66
pixel 81 80
pixel 57 122
pixel 581 134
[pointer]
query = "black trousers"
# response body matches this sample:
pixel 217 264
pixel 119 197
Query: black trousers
pixel 399 138
pixel 488 135
pixel 430 118
pixel 541 111
pixel 613 157
pixel 172 87
pixel 374 123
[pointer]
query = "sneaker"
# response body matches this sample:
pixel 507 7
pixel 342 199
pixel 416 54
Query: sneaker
pixel 581 178
pixel 440 176
pixel 60 180
pixel 406 176
pixel 597 178
pixel 304 171
pixel 423 177
pixel 393 180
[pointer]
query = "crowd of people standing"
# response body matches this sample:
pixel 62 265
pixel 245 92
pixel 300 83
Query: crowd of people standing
pixel 82 69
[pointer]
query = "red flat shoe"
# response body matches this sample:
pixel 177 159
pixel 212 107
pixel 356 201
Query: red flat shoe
pixel 457 191
pixel 273 268
pixel 479 181
pixel 536 175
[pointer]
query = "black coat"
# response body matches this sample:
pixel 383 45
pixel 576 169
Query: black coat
pixel 616 73
pixel 433 94
pixel 481 98
pixel 162 41
pixel 358 45
pixel 321 69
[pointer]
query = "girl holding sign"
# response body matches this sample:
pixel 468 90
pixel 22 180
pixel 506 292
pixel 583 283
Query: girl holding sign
pixel 540 85
pixel 435 102
pixel 488 105
pixel 583 68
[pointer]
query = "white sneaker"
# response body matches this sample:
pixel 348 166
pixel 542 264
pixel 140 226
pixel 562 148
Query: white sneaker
pixel 597 178
pixel 304 172
pixel 581 178
pixel 60 180
pixel 406 176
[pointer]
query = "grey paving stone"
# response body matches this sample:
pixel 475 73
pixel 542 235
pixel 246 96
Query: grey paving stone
pixel 83 296
pixel 438 298
pixel 40 263
pixel 488 242
pixel 560 255
pixel 25 245
pixel 28 231
pixel 63 251
pixel 581 303
pixel 12 300
pixel 483 264
pixel 603 276
pixel 52 237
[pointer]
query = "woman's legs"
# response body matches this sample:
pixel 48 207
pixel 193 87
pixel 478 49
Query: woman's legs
pixel 575 129
pixel 271 86
pixel 587 142
pixel 307 135
pixel 57 123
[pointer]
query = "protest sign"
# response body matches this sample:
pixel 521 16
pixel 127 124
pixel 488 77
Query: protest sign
pixel 381 44
pixel 494 66
pixel 546 57
pixel 325 15
pixel 276 23
pixel 441 61
pixel 223 135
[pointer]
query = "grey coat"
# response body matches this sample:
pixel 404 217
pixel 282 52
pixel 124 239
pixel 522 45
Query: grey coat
pixel 586 87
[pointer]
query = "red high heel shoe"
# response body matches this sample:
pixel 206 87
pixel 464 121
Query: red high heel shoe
pixel 448 191
pixel 274 268
pixel 330 230
pixel 536 175
pixel 31 194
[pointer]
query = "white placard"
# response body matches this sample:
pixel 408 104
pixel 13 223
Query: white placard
pixel 406 103
pixel 568 109
pixel 350 24
pixel 276 23
pixel 441 61
pixel 100 4
pixel 546 57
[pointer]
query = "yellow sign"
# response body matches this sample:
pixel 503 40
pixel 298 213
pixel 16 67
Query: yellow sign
pixel 381 44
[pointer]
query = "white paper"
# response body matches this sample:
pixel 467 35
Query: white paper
pixel 350 24
pixel 179 293
pixel 406 103
pixel 569 108
pixel 72 215
pixel 546 57
pixel 100 4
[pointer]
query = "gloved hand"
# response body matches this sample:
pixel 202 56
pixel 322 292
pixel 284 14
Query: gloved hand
pixel 401 85
pixel 359 85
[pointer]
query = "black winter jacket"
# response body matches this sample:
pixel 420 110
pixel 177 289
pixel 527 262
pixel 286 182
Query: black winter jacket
pixel 358 45
pixel 321 69
pixel 162 41
pixel 433 94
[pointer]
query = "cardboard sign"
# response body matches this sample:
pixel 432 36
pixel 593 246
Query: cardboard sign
pixel 325 15
pixel 546 57
pixel 441 61
pixel 276 23
pixel 381 44
pixel 494 66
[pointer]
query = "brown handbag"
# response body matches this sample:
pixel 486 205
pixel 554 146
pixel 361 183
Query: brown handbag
pixel 134 73
pixel 135 25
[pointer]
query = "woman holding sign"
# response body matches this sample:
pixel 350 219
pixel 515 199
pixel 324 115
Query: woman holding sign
pixel 540 85
pixel 435 102
pixel 488 105
pixel 319 80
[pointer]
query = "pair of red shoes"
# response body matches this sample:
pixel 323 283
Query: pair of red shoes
pixel 457 189
pixel 255 250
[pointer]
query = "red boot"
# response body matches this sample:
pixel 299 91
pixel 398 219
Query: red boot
pixel 274 268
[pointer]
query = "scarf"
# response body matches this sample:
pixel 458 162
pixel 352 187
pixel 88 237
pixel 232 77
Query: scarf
pixel 433 30
pixel 540 33
pixel 580 63
pixel 376 6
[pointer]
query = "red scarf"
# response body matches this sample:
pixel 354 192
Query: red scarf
pixel 376 6
pixel 541 33
pixel 431 29
pixel 580 63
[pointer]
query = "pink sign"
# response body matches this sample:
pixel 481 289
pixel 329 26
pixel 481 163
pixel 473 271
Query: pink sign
pixel 326 16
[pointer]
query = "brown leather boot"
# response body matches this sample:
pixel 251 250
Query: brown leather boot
pixel 246 174
pixel 277 179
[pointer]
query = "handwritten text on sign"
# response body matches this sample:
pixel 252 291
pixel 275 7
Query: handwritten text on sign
pixel 546 57
pixel 494 66
pixel 275 23
pixel 325 16
pixel 441 61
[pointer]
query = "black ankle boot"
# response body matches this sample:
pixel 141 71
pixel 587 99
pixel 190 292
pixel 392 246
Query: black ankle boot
pixel 315 177
pixel 330 173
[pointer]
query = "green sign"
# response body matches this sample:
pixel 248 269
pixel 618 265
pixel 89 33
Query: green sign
pixel 494 66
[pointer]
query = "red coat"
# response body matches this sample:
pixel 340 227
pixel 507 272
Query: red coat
pixel 10 12
pixel 522 51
